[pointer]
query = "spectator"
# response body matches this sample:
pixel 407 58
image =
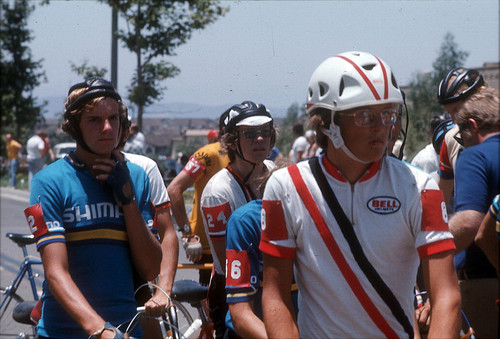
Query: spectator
pixel 427 159
pixel 136 141
pixel 49 150
pixel 36 149
pixel 212 136
pixel 299 144
pixel 275 155
pixel 98 217
pixel 454 89
pixel 13 149
pixel 249 136
pixel 202 165
pixel 312 147
pixel 477 182
pixel 379 196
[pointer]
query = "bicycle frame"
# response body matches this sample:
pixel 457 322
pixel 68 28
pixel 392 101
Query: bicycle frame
pixel 25 268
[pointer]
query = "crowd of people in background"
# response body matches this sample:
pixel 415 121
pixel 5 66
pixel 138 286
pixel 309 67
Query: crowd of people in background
pixel 342 219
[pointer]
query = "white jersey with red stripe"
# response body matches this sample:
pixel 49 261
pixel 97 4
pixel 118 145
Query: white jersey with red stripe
pixel 224 193
pixel 159 195
pixel 396 215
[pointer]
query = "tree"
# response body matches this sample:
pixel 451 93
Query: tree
pixel 154 29
pixel 86 71
pixel 20 73
pixel 422 93
pixel 294 114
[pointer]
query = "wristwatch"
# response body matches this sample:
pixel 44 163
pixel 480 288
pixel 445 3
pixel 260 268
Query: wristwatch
pixel 97 334
pixel 185 229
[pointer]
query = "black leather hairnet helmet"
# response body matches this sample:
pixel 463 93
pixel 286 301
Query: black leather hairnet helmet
pixel 96 88
pixel 450 93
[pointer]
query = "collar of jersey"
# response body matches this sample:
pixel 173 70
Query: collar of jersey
pixel 234 173
pixel 72 159
pixel 246 188
pixel 337 174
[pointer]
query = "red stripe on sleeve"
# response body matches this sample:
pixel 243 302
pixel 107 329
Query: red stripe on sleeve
pixel 434 215
pixel 436 247
pixel 273 221
pixel 277 251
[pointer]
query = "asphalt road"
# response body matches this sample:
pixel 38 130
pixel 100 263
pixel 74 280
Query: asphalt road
pixel 12 205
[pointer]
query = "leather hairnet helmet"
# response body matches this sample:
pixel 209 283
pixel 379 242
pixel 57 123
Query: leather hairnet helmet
pixel 439 133
pixel 458 84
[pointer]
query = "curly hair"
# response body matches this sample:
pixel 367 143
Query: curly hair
pixel 320 118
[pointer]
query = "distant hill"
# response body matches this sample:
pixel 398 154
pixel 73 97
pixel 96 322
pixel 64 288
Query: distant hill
pixel 55 106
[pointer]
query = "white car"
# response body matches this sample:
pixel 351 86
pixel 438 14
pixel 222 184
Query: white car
pixel 62 149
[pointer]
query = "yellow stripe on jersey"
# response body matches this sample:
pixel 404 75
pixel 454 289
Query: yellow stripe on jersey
pixel 46 239
pixel 236 295
pixel 97 234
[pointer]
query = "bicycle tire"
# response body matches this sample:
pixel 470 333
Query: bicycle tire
pixel 8 326
pixel 184 319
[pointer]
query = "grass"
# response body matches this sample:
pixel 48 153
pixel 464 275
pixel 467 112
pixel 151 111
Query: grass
pixel 22 181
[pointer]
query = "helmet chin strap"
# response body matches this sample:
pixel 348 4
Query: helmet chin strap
pixel 338 142
pixel 239 154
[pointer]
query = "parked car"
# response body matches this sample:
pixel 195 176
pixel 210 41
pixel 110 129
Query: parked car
pixel 60 150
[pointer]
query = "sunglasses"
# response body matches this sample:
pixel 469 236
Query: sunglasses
pixel 251 134
pixel 366 117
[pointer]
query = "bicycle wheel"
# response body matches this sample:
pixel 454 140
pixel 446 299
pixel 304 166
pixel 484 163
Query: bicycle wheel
pixel 8 326
pixel 183 319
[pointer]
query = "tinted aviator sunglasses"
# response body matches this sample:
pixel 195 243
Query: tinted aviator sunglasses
pixel 366 117
pixel 251 134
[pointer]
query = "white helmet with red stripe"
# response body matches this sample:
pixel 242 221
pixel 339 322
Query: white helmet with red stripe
pixel 352 79
pixel 349 80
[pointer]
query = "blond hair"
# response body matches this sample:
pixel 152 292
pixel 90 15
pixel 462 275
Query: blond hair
pixel 483 107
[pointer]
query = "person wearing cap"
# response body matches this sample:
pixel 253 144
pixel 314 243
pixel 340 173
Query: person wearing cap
pixel 248 139
pixel 91 216
pixel 352 225
pixel 200 167
pixel 212 136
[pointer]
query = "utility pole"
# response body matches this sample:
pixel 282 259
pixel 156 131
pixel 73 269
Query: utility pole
pixel 114 47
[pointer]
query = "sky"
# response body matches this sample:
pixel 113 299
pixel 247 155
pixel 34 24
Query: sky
pixel 266 51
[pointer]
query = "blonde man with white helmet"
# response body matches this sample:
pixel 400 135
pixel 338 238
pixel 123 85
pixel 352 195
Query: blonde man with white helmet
pixel 353 224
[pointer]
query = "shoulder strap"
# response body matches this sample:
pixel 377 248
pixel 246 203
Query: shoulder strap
pixel 348 231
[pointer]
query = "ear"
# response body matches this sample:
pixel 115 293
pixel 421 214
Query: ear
pixel 474 126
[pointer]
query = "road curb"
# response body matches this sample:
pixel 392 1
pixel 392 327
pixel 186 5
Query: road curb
pixel 15 194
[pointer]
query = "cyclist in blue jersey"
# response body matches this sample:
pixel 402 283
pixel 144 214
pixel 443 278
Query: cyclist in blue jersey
pixel 244 272
pixel 477 182
pixel 91 216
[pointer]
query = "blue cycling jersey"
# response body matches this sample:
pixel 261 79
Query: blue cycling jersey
pixel 82 213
